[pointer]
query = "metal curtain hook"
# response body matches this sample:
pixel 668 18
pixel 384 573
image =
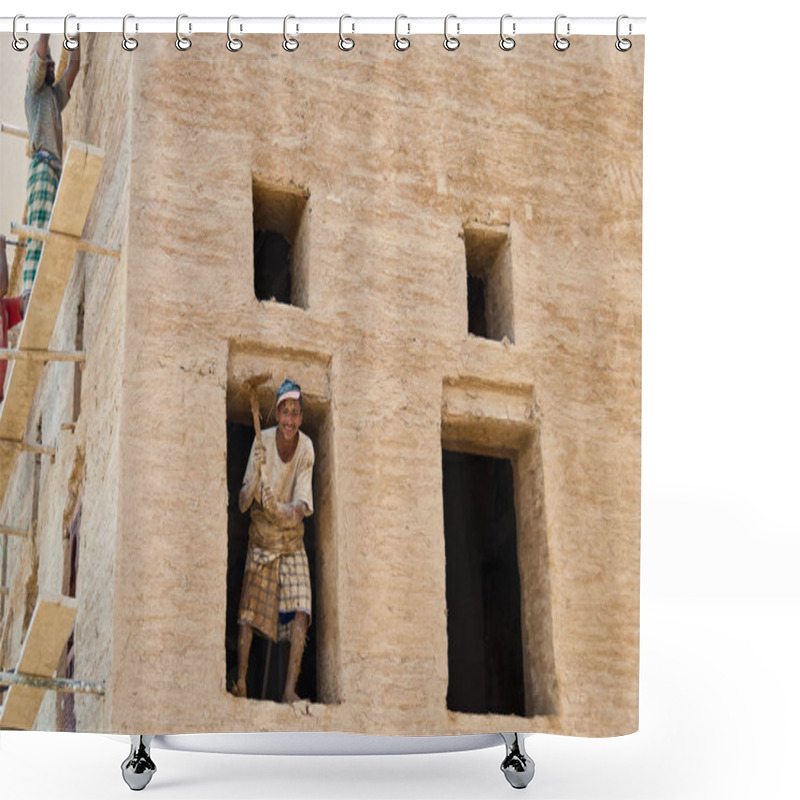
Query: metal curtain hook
pixel 290 44
pixel 561 44
pixel 69 42
pixel 234 45
pixel 400 42
pixel 506 42
pixel 623 45
pixel 345 43
pixel 128 42
pixel 181 42
pixel 18 43
pixel 451 42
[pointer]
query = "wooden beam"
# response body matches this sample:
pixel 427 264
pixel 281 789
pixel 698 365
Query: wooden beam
pixel 76 189
pixel 51 236
pixel 27 447
pixel 52 622
pixel 5 530
pixel 9 354
pixel 14 130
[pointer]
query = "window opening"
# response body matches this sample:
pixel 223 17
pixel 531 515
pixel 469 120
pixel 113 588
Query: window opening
pixel 489 295
pixel 279 253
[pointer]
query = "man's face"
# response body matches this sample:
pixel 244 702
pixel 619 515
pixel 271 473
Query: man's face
pixel 50 66
pixel 290 418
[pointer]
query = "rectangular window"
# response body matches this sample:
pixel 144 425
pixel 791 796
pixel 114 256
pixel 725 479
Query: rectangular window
pixel 280 217
pixel 489 293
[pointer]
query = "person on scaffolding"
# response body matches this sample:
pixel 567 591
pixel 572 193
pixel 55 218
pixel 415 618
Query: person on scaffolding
pixel 276 592
pixel 45 99
pixel 12 311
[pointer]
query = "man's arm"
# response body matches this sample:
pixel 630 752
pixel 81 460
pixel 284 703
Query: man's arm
pixel 42 43
pixel 71 72
pixel 3 267
pixel 285 515
pixel 252 477
pixel 37 70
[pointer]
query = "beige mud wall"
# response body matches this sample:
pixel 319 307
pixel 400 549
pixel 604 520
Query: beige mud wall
pixel 85 435
pixel 397 152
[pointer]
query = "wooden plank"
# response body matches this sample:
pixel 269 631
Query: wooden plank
pixel 76 189
pixel 52 622
pixel 51 236
pixel 16 354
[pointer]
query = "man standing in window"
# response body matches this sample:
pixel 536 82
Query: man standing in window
pixel 276 592
pixel 44 101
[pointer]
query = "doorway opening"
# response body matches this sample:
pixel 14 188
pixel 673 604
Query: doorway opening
pixel 484 628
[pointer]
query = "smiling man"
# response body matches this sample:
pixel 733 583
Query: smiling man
pixel 276 593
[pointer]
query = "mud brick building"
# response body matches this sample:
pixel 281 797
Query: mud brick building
pixel 444 251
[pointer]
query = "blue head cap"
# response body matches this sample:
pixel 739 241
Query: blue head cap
pixel 289 390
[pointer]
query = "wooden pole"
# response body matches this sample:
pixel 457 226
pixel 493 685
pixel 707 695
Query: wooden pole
pixel 6 531
pixel 9 354
pixel 56 684
pixel 25 447
pixel 14 130
pixel 50 236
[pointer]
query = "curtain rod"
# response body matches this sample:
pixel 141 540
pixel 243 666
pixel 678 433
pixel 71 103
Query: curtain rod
pixel 405 26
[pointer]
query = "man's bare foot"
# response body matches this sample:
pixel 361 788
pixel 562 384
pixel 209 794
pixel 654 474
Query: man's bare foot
pixel 239 689
pixel 291 697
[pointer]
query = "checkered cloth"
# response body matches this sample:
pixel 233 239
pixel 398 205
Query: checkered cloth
pixel 273 586
pixel 42 185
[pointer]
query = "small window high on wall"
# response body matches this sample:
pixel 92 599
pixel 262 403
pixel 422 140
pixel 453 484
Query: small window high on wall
pixel 485 661
pixel 280 223
pixel 489 290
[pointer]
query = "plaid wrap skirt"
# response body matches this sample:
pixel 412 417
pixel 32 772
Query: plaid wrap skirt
pixel 42 186
pixel 279 586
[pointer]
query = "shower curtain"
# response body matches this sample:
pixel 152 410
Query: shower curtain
pixel 354 394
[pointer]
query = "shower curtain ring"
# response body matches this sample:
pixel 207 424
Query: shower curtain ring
pixel 451 42
pixel 69 42
pixel 290 44
pixel 507 42
pixel 623 45
pixel 181 42
pixel 561 44
pixel 400 42
pixel 233 44
pixel 18 43
pixel 129 43
pixel 345 43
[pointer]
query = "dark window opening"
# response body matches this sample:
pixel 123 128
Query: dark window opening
pixel 489 285
pixel 272 275
pixel 484 627
pixel 279 252
pixel 476 306
pixel 266 673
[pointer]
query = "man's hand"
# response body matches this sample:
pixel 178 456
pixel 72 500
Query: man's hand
pixel 268 501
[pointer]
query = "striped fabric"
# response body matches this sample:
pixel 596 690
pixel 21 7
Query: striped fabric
pixel 42 185
pixel 283 585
